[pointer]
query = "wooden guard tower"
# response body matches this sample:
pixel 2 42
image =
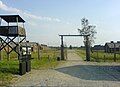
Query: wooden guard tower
pixel 12 36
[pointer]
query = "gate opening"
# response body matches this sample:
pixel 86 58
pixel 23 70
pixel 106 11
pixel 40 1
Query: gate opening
pixel 87 45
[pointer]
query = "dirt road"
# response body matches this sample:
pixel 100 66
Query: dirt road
pixel 74 72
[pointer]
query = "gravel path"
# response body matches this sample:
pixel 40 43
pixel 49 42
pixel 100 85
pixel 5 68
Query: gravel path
pixel 74 72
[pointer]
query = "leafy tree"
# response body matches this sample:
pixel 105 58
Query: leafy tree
pixel 87 29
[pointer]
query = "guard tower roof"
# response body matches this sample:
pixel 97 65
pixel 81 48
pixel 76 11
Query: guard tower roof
pixel 12 18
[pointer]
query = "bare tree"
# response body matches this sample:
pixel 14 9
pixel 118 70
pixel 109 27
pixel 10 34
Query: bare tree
pixel 87 29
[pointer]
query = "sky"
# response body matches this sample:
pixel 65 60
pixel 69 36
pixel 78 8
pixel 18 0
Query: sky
pixel 46 19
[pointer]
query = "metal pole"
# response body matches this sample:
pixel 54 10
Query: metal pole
pixel 62 48
pixel 87 49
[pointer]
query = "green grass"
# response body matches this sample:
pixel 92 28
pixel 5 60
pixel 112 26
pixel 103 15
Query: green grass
pixel 48 59
pixel 8 69
pixel 44 63
pixel 99 56
pixel 81 53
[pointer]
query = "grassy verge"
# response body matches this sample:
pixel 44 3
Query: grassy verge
pixel 8 69
pixel 99 56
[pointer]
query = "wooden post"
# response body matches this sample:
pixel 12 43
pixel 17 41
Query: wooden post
pixel 62 48
pixel 0 53
pixel 8 46
pixel 0 40
pixel 104 58
pixel 87 49
pixel 8 50
pixel 19 51
pixel 38 50
pixel 114 52
pixel 97 57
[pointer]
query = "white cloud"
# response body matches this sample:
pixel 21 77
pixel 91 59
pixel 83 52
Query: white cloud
pixel 27 14
pixel 39 31
pixel 9 9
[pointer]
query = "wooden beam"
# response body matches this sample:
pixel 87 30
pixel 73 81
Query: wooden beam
pixel 75 35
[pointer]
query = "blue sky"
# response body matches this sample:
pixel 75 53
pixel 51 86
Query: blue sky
pixel 45 19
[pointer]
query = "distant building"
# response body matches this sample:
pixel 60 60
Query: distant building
pixel 110 47
pixel 44 47
pixel 34 46
pixel 98 47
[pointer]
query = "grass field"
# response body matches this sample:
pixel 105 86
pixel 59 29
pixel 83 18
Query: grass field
pixel 9 69
pixel 47 59
pixel 99 56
